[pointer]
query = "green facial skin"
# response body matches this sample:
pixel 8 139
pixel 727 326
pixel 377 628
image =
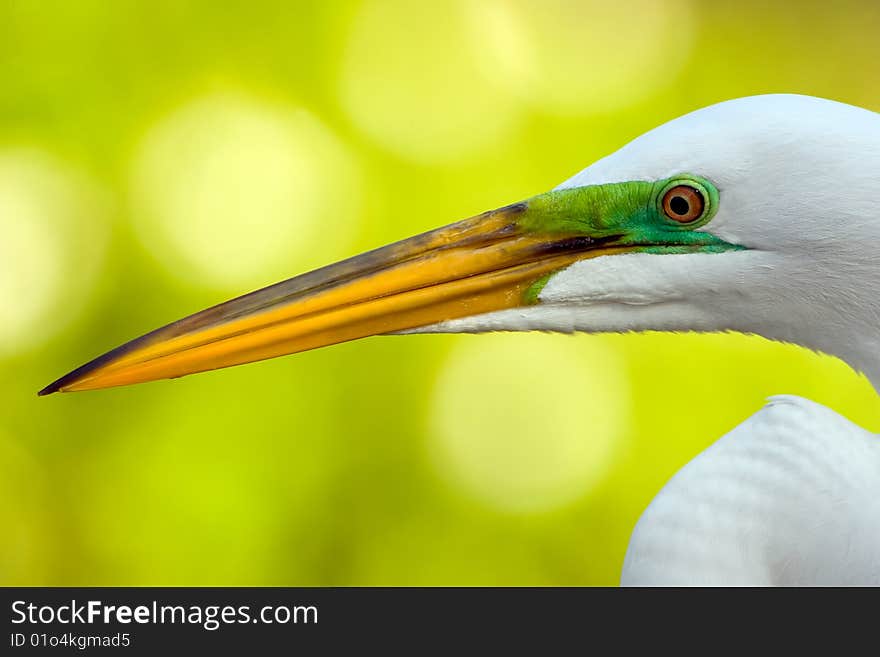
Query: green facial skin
pixel 629 214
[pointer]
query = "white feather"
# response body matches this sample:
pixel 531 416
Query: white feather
pixel 789 497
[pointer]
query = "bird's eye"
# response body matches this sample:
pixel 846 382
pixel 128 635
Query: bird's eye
pixel 684 204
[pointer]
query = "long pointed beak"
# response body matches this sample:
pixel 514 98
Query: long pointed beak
pixel 475 266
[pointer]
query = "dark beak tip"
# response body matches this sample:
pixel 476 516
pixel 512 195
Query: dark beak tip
pixel 49 389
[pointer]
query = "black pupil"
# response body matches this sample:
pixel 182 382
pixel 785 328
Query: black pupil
pixel 679 205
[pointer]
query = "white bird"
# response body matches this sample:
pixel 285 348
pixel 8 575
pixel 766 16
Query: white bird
pixel 757 215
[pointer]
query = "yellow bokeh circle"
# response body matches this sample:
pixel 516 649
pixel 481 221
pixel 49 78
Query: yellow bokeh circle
pixel 232 190
pixel 584 57
pixel 411 80
pixel 528 422
pixel 53 238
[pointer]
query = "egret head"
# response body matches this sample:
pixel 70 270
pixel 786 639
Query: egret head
pixel 791 230
pixel 757 215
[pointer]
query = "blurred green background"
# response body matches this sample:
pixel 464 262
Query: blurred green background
pixel 158 157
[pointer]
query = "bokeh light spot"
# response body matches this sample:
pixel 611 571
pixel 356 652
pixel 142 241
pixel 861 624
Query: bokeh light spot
pixel 240 189
pixel 582 57
pixel 52 242
pixel 528 422
pixel 411 82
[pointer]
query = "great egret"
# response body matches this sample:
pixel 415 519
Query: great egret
pixel 758 215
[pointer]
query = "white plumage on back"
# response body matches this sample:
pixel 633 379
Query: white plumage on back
pixel 789 497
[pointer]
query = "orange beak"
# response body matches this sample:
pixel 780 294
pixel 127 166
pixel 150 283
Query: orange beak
pixel 475 266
